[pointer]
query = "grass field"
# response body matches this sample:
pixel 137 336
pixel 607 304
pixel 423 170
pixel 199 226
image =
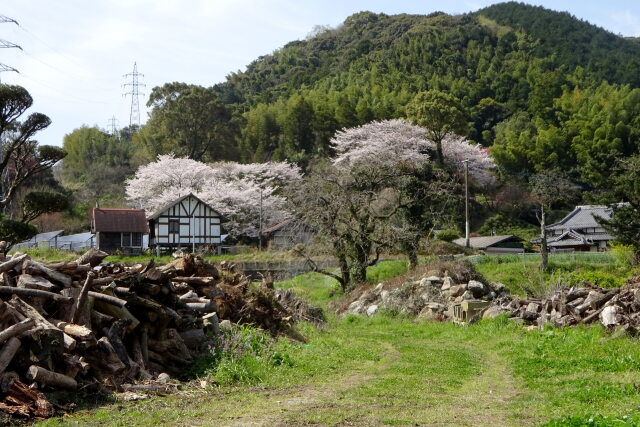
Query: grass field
pixel 383 370
pixel 393 371
pixel 522 275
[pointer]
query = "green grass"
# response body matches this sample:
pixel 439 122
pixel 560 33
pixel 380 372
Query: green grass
pixel 522 275
pixel 385 370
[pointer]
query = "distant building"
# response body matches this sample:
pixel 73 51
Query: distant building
pixel 286 234
pixel 184 223
pixel 494 244
pixel 580 230
pixel 119 229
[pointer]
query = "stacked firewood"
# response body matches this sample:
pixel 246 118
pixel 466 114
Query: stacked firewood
pixel 115 327
pixel 614 308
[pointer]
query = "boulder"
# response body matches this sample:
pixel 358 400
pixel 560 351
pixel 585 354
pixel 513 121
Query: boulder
pixel 447 283
pixel 533 307
pixel 457 290
pixel 468 295
pixel 476 288
pixel 356 307
pixel 609 315
pixel 371 310
pixel 493 312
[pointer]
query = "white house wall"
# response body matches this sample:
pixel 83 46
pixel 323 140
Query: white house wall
pixel 198 223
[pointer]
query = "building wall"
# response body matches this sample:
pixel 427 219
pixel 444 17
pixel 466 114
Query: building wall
pixel 196 222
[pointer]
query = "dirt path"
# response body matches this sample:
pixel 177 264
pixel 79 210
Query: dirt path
pixel 481 400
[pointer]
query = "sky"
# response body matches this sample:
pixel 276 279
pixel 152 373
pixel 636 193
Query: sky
pixel 75 53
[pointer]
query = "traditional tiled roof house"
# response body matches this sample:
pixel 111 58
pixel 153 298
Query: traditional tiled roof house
pixel 580 230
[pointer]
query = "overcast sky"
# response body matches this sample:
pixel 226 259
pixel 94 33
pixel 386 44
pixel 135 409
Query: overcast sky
pixel 75 52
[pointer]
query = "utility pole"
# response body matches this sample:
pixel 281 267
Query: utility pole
pixel 466 202
pixel 134 86
pixel 260 224
pixel 4 44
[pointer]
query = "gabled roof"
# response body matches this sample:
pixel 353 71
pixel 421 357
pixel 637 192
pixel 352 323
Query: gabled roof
pixel 166 206
pixel 276 227
pixel 582 217
pixel 575 238
pixel 484 242
pixel 119 220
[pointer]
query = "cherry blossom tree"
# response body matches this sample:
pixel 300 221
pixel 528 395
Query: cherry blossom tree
pixel 236 191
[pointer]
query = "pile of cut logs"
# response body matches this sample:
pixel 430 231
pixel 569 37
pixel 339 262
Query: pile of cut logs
pixel 115 327
pixel 614 308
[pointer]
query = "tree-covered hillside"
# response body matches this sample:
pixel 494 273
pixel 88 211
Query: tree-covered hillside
pixel 509 60
pixel 542 89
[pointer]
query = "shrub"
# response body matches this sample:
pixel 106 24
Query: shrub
pixel 448 235
pixel 243 354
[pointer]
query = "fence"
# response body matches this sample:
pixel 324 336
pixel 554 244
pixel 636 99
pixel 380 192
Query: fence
pixel 73 242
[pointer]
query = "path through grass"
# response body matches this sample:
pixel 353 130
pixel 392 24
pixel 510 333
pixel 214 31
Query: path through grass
pixel 382 370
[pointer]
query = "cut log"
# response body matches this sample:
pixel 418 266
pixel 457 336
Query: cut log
pixel 76 331
pixel 17 259
pixel 37 293
pixel 41 322
pixel 93 257
pixel 8 351
pixel 81 307
pixel 53 379
pixel 16 329
pixel 109 299
pixel 195 281
pixel 115 334
pixel 34 282
pixel 35 268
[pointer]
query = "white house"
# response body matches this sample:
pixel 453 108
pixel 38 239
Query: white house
pixel 187 222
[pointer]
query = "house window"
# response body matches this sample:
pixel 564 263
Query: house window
pixel 174 226
pixel 131 240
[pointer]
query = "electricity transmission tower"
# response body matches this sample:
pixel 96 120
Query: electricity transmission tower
pixel 112 125
pixel 7 44
pixel 133 86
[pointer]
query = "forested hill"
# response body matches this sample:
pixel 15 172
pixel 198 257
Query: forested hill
pixel 541 88
pixel 571 41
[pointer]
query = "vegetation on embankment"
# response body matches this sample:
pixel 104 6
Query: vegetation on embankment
pixel 522 275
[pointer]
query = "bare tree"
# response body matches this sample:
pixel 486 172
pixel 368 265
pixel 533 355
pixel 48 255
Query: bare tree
pixel 549 188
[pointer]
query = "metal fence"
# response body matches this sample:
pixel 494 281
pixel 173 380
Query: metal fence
pixel 73 242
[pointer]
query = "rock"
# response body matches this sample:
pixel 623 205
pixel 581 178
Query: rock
pixel 129 396
pixel 378 288
pixel 533 307
pixel 354 308
pixel 371 310
pixel 499 288
pixel 468 295
pixel 384 296
pixel 609 315
pixel 163 378
pixel 493 312
pixel 529 316
pixel 436 306
pixel 457 290
pixel 447 282
pixel 477 288
pixel 226 325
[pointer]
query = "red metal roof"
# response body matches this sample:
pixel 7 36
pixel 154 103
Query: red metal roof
pixel 119 220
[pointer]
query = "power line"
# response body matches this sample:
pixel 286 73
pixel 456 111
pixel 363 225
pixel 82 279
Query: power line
pixel 134 116
pixel 4 44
